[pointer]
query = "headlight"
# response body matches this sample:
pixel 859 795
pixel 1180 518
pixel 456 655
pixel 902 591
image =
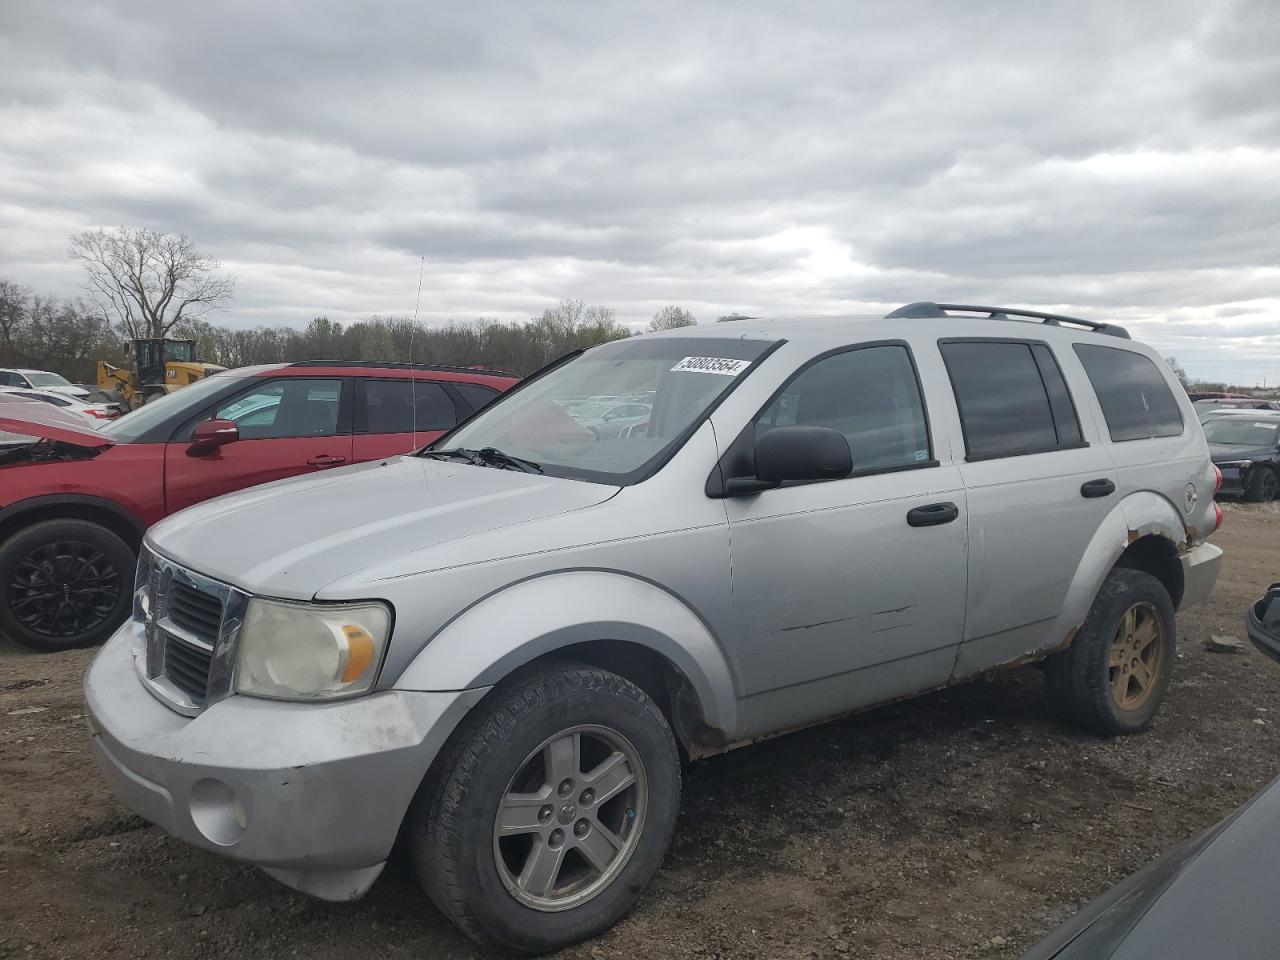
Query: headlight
pixel 310 651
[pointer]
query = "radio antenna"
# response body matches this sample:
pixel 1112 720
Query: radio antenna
pixel 413 374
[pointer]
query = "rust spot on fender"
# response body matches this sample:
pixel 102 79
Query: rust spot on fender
pixel 1066 641
pixel 1133 535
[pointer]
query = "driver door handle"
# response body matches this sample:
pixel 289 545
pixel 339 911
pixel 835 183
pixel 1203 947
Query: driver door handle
pixel 932 515
pixel 323 460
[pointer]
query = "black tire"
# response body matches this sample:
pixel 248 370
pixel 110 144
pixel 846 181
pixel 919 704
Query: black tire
pixel 1262 486
pixel 1083 683
pixel 451 826
pixel 92 566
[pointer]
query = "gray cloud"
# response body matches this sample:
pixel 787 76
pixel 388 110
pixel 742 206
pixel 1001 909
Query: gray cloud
pixel 1118 160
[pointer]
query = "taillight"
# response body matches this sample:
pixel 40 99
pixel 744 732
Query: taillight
pixel 100 414
pixel 1217 511
pixel 1217 485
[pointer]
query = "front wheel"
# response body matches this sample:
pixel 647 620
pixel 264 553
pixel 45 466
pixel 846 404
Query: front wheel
pixel 1262 486
pixel 550 811
pixel 64 583
pixel 1114 676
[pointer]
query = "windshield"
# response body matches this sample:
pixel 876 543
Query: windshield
pixel 133 425
pixel 48 380
pixel 564 421
pixel 1242 432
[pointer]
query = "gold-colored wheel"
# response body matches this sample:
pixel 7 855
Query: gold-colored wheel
pixel 1137 652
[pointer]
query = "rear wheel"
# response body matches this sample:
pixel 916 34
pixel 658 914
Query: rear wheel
pixel 1263 485
pixel 1113 677
pixel 550 811
pixel 64 584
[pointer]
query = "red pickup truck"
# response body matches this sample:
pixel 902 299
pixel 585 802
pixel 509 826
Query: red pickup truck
pixel 75 499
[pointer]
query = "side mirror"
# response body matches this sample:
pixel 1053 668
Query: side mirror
pixel 795 454
pixel 211 434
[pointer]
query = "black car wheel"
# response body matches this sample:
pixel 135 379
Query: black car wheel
pixel 64 584
pixel 1263 485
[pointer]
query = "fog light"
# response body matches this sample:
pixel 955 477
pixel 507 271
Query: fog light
pixel 217 812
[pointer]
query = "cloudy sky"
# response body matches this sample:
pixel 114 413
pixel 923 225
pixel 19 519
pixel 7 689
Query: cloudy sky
pixel 1119 160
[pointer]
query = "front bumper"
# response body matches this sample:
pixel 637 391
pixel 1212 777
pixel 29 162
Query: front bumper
pixel 313 793
pixel 1232 481
pixel 1200 566
pixel 1263 623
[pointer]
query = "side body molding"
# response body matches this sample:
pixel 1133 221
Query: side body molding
pixel 514 626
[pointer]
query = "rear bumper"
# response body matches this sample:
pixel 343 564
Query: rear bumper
pixel 1200 566
pixel 313 793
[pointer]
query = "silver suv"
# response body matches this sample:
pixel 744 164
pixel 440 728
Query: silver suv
pixel 500 646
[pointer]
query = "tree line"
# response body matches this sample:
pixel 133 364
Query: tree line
pixel 141 282
pixel 68 336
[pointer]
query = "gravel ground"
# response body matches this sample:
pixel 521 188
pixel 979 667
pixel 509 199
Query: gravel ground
pixel 967 823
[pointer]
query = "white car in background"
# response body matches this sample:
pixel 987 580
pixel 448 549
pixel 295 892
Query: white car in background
pixel 93 412
pixel 40 380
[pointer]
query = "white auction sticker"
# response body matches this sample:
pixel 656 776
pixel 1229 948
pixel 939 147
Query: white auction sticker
pixel 722 365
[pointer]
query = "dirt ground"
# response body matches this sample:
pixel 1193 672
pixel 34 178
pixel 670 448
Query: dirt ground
pixel 964 824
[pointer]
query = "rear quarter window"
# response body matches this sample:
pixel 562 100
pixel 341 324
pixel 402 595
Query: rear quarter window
pixel 1134 395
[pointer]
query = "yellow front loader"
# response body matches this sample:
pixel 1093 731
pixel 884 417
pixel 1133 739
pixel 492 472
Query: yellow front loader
pixel 161 365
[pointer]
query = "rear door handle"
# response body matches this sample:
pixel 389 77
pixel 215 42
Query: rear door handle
pixel 932 515
pixel 326 461
pixel 1097 488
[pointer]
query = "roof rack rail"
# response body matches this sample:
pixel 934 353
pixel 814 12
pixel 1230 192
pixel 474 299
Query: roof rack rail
pixel 924 309
pixel 402 365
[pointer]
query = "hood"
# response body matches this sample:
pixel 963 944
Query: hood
pixel 31 418
pixel 1227 452
pixel 291 538
pixel 1199 900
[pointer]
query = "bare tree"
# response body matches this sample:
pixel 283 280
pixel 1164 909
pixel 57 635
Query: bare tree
pixel 13 313
pixel 671 317
pixel 147 281
pixel 1178 372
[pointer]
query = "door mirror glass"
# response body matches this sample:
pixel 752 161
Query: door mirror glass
pixel 802 453
pixel 210 434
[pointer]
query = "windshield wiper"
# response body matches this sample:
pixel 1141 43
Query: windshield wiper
pixel 486 457
pixel 493 456
pixel 455 453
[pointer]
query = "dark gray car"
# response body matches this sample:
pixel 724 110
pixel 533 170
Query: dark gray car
pixel 1206 898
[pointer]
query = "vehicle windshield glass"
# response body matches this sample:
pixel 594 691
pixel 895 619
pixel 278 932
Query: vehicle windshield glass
pixel 612 414
pixel 48 380
pixel 133 425
pixel 1242 432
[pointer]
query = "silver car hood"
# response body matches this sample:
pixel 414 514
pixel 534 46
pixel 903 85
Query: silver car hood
pixel 291 538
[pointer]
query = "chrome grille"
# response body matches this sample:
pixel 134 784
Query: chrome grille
pixel 187 667
pixel 195 611
pixel 185 627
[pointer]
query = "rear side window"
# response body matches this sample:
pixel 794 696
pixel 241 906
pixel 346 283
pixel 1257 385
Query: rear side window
pixel 479 397
pixel 871 395
pixel 1011 396
pixel 1135 397
pixel 389 406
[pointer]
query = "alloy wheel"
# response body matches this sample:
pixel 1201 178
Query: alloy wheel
pixel 63 589
pixel 1134 661
pixel 570 818
pixel 1270 485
